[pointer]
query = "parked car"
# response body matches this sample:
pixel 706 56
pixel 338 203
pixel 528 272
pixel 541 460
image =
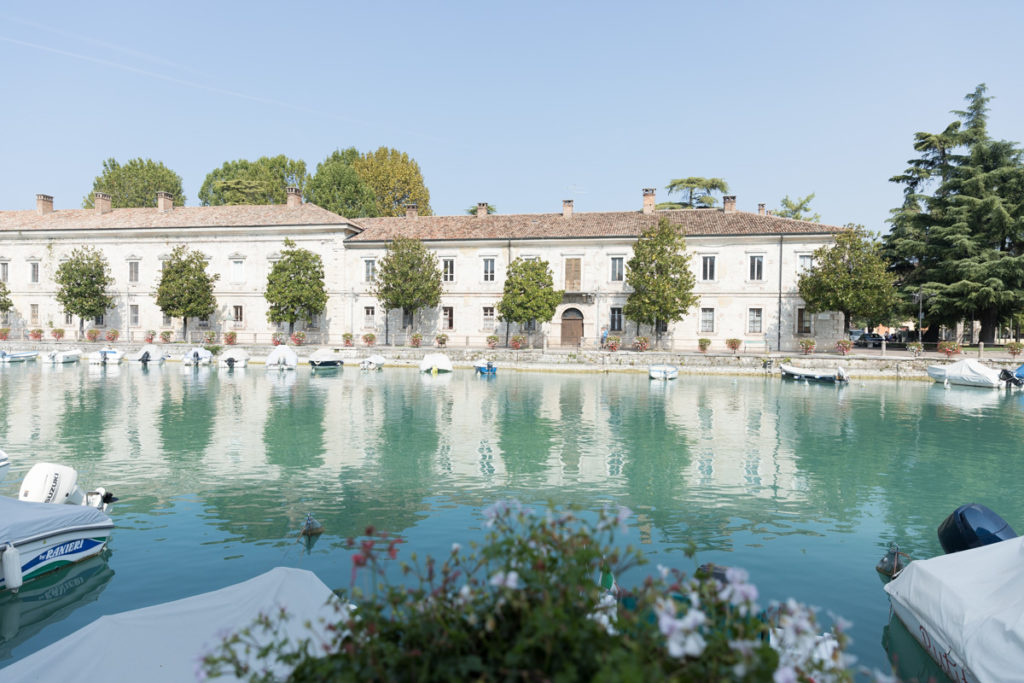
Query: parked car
pixel 871 339
pixel 856 334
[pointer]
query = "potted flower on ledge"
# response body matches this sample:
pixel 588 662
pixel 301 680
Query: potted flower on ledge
pixel 915 348
pixel 1014 348
pixel 150 336
pixel 843 346
pixel 165 336
pixel 950 348
pixel 369 339
pixel 703 343
pixel 346 339
pixel 57 333
pixel 517 341
pixel 492 341
pixel 298 338
pixel 641 344
pixel 112 335
pixel 807 345
pixel 733 344
pixel 613 342
pixel 4 333
pixel 230 338
pixel 35 334
pixel 415 340
pixel 441 340
pixel 278 338
pixel 92 335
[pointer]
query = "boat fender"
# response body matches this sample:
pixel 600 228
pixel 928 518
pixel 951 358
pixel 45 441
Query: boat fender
pixel 10 558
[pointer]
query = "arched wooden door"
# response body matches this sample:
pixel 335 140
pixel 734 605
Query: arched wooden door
pixel 572 327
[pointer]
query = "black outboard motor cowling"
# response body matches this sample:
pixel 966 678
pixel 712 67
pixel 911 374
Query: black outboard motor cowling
pixel 144 358
pixel 1010 378
pixel 972 526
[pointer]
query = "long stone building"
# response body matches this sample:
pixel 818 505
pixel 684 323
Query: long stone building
pixel 746 266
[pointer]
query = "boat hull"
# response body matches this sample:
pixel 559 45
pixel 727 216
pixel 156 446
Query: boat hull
pixel 19 356
pixel 49 552
pixel 333 363
pixel 934 645
pixel 808 375
pixel 663 372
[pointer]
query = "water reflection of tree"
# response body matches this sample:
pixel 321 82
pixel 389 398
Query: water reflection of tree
pixel 525 437
pixel 293 433
pixel 88 411
pixel 186 420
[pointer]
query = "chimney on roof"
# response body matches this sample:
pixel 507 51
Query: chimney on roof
pixel 164 201
pixel 729 203
pixel 412 210
pixel 101 200
pixel 768 212
pixel 294 197
pixel 481 209
pixel 44 204
pixel 566 208
pixel 648 200
pixel 760 209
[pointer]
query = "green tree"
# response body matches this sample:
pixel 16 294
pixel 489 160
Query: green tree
pixel 529 293
pixel 798 209
pixel 851 277
pixel 408 278
pixel 395 179
pixel 186 289
pixel 263 181
pixel 5 298
pixel 696 192
pixel 490 209
pixel 82 283
pixel 295 286
pixel 660 276
pixel 135 184
pixel 338 187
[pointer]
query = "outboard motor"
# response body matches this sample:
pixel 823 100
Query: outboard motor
pixel 50 483
pixel 144 358
pixel 195 357
pixel 1010 378
pixel 230 361
pixel 972 526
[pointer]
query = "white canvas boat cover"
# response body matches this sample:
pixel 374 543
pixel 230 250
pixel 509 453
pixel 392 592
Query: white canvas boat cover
pixel 436 360
pixel 237 354
pixel 968 372
pixel 282 355
pixel 152 349
pixel 974 601
pixel 21 520
pixel 167 642
pixel 197 352
pixel 325 354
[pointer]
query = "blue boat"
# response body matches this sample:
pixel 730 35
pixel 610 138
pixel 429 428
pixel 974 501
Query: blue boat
pixel 486 367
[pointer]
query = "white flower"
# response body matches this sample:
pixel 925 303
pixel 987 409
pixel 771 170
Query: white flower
pixel 456 548
pixel 682 637
pixel 784 674
pixel 663 570
pixel 737 591
pixel 506 580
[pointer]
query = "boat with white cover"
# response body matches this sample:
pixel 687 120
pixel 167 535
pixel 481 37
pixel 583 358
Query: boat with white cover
pixel 197 355
pixel 148 354
pixel 164 642
pixel 967 372
pixel 106 356
pixel 5 465
pixel 326 358
pixel 662 371
pixel 813 374
pixel 436 362
pixel 233 358
pixel 374 362
pixel 61 357
pixel 282 358
pixel 486 367
pixel 17 356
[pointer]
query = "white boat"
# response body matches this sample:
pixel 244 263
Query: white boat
pixel 5 465
pixel 282 358
pixel 326 358
pixel 61 357
pixel 164 642
pixel 486 367
pixel 17 356
pixel 197 355
pixel 150 353
pixel 662 372
pixel 435 362
pixel 106 356
pixel 233 358
pixel 374 362
pixel 967 372
pixel 813 374
pixel 964 609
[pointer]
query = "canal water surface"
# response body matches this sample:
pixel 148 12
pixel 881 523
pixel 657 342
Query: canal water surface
pixel 803 485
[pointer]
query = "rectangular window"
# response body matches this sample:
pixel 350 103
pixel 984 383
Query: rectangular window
pixel 237 270
pixel 488 270
pixel 616 320
pixel 133 314
pixel 167 321
pixel 488 317
pixel 707 319
pixel 406 318
pixel 237 313
pixel 756 268
pixel 707 268
pixel 369 270
pixel 313 323
pixel 69 319
pixel 448 270
pixel 33 272
pixel 754 316
pixel 806 262
pixel 368 319
pixel 617 269
pixel 99 321
pixel 448 318
pixel 530 326
pixel 133 271
pixel 3 271
pixel 803 321
pixel 573 270
pixel 34 315
pixel 204 322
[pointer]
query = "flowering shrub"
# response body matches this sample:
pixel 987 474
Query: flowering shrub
pixel 441 340
pixel 703 343
pixel 35 334
pixel 527 605
pixel 492 341
pixel 57 333
pixel 369 339
pixel 112 335
pixel 278 338
pixel 230 338
pixel 517 341
pixel 347 339
pixel 915 348
pixel 165 336
pixel 209 336
pixel 150 336
pixel 1015 348
pixel 641 344
pixel 843 346
pixel 4 333
pixel 733 344
pixel 613 342
pixel 950 348
pixel 807 345
pixel 415 340
pixel 298 338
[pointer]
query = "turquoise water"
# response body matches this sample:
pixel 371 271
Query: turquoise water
pixel 803 485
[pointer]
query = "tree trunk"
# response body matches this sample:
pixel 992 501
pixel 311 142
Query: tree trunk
pixel 184 329
pixel 387 327
pixel 989 326
pixel 291 327
pixel 846 324
pixel 931 335
pixel 508 328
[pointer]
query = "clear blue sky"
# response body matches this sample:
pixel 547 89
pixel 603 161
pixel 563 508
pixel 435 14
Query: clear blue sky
pixel 518 104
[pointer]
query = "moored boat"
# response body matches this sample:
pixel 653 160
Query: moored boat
pixel 662 371
pixel 436 362
pixel 233 358
pixel 197 355
pixel 374 362
pixel 61 357
pixel 282 358
pixel 485 367
pixel 326 358
pixel 148 354
pixel 106 356
pixel 813 375
pixel 967 372
pixel 17 356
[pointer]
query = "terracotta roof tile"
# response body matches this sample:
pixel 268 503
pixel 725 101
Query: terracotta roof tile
pixel 179 217
pixel 699 222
